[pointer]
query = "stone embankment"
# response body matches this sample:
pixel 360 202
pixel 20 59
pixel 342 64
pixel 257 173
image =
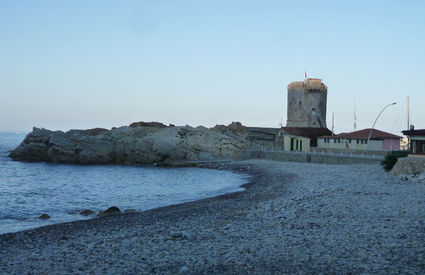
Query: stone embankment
pixel 139 143
pixel 410 169
pixel 409 165
pixel 293 218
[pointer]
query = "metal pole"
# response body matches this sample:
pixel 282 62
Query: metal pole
pixel 408 112
pixel 370 133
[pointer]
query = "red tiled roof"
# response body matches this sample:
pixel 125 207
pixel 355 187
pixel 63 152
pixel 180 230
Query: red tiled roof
pixel 364 134
pixel 308 132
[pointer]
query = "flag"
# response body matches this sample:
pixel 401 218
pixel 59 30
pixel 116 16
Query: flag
pixel 305 74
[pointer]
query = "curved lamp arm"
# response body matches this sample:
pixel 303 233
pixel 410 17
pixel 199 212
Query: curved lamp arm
pixel 371 129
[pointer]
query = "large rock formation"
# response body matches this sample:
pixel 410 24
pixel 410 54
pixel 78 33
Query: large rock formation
pixel 139 143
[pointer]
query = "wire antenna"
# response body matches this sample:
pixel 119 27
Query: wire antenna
pixel 355 115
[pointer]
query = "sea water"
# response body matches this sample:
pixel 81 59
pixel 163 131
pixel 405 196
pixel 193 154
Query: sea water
pixel 28 190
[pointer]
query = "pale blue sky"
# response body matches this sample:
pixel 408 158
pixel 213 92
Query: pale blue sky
pixel 82 64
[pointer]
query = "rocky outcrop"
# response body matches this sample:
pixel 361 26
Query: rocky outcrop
pixel 142 143
pixel 235 128
pixel 148 124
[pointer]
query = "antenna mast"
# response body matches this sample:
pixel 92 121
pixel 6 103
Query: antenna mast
pixel 408 112
pixel 332 123
pixel 355 116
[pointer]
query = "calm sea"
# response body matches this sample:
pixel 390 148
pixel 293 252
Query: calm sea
pixel 28 190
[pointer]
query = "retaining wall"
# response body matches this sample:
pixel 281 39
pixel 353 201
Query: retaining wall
pixel 408 165
pixel 305 157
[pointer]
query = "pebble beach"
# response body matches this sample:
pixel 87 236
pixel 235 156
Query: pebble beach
pixel 293 218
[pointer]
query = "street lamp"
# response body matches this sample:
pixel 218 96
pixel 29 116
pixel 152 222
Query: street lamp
pixel 370 133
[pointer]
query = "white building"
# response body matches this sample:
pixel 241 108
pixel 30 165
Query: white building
pixel 358 141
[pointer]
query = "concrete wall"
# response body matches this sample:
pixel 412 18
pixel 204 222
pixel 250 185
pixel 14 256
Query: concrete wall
pixel 345 151
pixel 307 104
pixel 304 157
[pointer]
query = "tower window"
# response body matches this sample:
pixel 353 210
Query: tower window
pixel 300 103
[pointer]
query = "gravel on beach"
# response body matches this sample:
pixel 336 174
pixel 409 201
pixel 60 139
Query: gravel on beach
pixel 293 218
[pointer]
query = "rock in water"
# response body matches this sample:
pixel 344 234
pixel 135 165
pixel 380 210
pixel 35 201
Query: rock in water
pixel 86 212
pixel 44 217
pixel 142 143
pixel 110 211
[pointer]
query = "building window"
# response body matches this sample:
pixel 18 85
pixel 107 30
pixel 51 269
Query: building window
pixel 358 141
pixel 365 142
pixel 349 140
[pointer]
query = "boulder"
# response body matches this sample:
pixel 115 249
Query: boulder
pixel 86 212
pixel 110 211
pixel 44 217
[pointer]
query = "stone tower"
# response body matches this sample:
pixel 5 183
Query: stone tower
pixel 307 103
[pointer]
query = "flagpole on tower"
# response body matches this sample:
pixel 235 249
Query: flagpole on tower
pixel 305 74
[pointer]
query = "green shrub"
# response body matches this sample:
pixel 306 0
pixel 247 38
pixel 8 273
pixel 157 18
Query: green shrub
pixel 391 159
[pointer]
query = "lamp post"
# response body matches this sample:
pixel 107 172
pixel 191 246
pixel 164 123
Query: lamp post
pixel 370 133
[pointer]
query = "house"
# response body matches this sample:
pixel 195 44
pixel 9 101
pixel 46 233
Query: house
pixel 360 141
pixel 286 138
pixel 417 142
pixel 307 132
pixel 299 138
pixel 266 137
pixel 290 142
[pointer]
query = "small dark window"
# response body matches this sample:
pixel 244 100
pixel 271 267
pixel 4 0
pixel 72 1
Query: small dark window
pixel 300 103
